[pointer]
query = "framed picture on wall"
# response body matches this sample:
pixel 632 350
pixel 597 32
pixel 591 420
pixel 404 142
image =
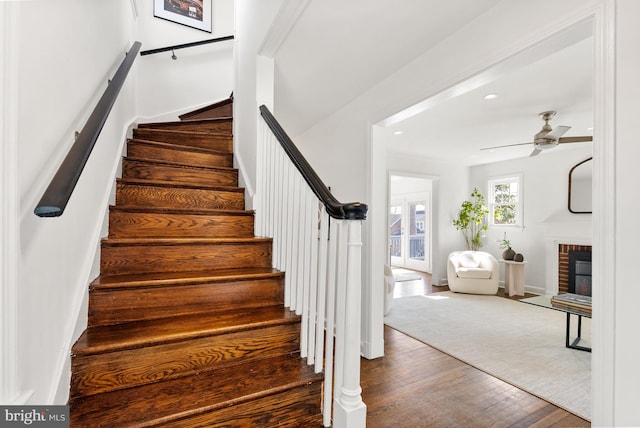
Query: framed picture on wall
pixel 192 13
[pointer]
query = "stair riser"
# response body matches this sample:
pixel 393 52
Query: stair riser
pixel 177 197
pixel 175 154
pixel 117 306
pixel 129 259
pixel 140 224
pixel 224 127
pixel 224 110
pixel 299 407
pixel 122 369
pixel 213 142
pixel 151 171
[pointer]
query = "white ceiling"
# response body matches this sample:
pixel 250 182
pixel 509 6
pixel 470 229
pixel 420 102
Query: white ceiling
pixel 456 130
pixel 337 50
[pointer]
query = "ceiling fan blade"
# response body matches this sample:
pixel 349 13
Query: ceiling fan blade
pixel 535 152
pixel 557 132
pixel 574 139
pixel 508 145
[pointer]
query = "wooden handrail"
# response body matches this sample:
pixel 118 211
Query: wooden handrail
pixel 185 45
pixel 58 193
pixel 336 209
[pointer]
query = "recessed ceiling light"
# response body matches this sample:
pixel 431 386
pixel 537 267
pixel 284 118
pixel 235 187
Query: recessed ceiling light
pixel 398 133
pixel 491 96
pixel 589 129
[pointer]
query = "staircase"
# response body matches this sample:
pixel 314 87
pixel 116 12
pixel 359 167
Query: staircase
pixel 187 326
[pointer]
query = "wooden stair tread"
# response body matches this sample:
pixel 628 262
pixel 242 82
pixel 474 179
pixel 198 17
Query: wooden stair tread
pixel 162 403
pixel 181 165
pixel 182 122
pixel 158 279
pixel 110 338
pixel 216 110
pixel 187 325
pixel 192 211
pixel 181 241
pixel 186 133
pixel 160 183
pixel 174 146
pixel 214 141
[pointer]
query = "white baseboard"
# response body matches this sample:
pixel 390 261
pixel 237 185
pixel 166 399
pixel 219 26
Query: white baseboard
pixel 528 289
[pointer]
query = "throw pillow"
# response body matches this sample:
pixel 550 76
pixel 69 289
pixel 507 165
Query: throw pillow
pixel 466 259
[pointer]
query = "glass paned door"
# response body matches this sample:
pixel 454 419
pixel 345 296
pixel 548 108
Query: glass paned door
pixel 395 233
pixel 416 231
pixel 409 223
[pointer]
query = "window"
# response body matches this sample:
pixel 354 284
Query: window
pixel 505 201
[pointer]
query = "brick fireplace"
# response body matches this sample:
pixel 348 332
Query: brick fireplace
pixel 564 265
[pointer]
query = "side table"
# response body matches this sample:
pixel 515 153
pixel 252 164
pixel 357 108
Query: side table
pixel 513 277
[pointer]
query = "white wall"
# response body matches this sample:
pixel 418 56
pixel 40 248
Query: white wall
pixel 253 21
pixel 200 75
pixel 546 216
pixel 66 52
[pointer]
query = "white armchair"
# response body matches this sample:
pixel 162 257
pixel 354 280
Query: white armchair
pixel 389 286
pixel 474 272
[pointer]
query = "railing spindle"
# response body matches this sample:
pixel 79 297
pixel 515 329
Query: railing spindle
pixel 323 248
pixel 317 243
pixel 313 274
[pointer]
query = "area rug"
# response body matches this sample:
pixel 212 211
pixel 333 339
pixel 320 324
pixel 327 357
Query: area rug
pixel 518 343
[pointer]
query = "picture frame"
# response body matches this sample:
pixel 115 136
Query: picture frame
pixel 192 13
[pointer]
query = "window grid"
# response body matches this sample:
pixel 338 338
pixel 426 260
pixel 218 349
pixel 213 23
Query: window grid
pixel 505 196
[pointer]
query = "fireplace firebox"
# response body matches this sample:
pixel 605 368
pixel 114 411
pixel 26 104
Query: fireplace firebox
pixel 566 267
pixel 580 272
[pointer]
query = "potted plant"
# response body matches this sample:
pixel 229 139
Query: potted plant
pixel 472 221
pixel 505 244
pixel 508 253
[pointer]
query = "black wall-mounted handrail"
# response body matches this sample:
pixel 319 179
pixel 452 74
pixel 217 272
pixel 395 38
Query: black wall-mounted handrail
pixel 57 195
pixel 338 210
pixel 185 45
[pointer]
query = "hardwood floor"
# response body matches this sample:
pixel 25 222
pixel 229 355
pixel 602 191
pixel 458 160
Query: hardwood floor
pixel 415 385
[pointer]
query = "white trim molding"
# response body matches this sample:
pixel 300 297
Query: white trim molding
pixel 9 208
pixel 604 216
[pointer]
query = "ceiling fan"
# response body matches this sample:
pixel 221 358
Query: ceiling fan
pixel 548 137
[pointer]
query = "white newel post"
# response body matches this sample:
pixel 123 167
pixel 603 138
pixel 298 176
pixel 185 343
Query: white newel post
pixel 349 409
